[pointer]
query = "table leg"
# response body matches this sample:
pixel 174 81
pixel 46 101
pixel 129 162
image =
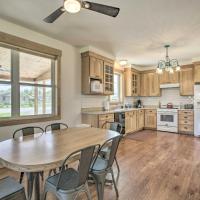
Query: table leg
pixel 30 180
pixel 37 185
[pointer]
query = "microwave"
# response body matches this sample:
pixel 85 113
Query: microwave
pixel 96 86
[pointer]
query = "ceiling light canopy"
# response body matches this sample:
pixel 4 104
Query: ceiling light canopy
pixel 123 62
pixel 72 6
pixel 167 64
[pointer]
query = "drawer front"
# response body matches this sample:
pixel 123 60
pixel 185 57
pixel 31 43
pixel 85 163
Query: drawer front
pixel 186 128
pixel 186 112
pixel 186 118
pixel 141 111
pixel 106 117
pixel 185 122
pixel 151 111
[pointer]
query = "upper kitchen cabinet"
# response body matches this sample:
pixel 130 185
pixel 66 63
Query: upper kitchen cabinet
pixel 132 82
pixel 167 78
pixel 197 72
pixel 97 74
pixel 96 68
pixel 187 80
pixel 150 84
pixel 108 78
pixel 154 87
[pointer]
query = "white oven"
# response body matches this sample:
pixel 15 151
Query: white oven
pixel 167 120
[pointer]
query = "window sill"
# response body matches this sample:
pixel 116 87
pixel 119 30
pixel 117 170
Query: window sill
pixel 27 120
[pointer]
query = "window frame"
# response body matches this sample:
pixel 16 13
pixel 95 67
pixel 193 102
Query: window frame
pixel 120 88
pixel 17 45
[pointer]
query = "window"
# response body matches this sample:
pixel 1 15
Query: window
pixel 116 97
pixel 28 84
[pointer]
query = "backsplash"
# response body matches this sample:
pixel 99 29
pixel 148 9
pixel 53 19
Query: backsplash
pixel 170 95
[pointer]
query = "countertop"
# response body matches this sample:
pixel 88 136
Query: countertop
pixel 122 110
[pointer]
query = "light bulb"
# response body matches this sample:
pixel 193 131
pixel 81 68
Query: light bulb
pixel 72 6
pixel 159 71
pixel 171 71
pixel 178 68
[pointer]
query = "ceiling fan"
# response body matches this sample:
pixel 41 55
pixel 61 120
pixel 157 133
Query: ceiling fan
pixel 74 6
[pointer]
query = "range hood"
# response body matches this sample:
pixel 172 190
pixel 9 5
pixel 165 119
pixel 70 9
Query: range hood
pixel 170 85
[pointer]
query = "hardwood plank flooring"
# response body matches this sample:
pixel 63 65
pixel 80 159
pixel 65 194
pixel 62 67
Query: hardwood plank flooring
pixel 154 166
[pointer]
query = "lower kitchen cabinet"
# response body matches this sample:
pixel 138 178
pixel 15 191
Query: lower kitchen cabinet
pixel 140 119
pixel 130 121
pixel 105 118
pixel 186 122
pixel 150 119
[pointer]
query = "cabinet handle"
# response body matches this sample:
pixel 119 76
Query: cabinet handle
pixel 185 117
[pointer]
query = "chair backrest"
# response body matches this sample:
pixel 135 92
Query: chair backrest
pixel 114 126
pixel 113 144
pixel 55 126
pixel 86 157
pixel 26 131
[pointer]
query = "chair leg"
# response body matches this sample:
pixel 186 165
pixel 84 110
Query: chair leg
pixel 114 182
pixel 87 191
pixel 100 182
pixel 42 175
pixel 21 177
pixel 118 169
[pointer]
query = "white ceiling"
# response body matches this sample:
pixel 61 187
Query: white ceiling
pixel 137 34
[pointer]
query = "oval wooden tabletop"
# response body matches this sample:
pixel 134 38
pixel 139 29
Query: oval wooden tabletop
pixel 48 150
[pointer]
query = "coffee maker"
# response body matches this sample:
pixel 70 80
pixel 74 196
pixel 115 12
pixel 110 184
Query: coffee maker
pixel 138 103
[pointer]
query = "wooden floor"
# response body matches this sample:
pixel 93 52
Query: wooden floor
pixel 154 166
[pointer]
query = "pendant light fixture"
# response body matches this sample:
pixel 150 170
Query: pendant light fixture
pixel 167 64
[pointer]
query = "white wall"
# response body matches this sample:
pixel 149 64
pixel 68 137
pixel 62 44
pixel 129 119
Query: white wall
pixel 70 75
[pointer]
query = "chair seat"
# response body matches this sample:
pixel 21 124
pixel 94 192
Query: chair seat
pixel 69 179
pixel 100 164
pixel 9 186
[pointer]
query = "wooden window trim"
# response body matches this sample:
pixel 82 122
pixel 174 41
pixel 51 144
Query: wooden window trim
pixel 30 46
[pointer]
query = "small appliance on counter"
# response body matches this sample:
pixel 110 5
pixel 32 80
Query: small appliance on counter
pixel 188 106
pixel 139 104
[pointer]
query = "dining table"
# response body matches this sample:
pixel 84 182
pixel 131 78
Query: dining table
pixel 45 151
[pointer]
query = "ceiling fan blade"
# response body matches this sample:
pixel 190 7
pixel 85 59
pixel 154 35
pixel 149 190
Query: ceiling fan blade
pixel 100 8
pixel 53 16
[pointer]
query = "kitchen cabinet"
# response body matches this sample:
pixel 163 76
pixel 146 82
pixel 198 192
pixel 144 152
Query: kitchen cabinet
pixel 105 118
pixel 186 122
pixel 197 72
pixel 167 78
pixel 108 78
pixel 187 81
pixel 154 87
pixel 96 67
pixel 130 121
pixel 140 119
pixel 132 82
pixel 144 89
pixel 150 119
pixel 150 84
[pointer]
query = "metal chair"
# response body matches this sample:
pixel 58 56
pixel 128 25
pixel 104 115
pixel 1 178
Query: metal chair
pixel 55 126
pixel 27 131
pixel 114 126
pixel 69 183
pixel 101 167
pixel 11 190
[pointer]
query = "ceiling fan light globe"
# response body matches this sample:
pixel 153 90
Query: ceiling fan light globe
pixel 72 6
pixel 178 68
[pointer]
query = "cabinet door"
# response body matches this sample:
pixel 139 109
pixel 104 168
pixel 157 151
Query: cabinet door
pixel 197 73
pixel 154 86
pixel 128 82
pixel 135 84
pixel 150 119
pixel 144 87
pixel 186 82
pixel 133 121
pixel 128 125
pixel 164 77
pixel 140 119
pixel 174 78
pixel 108 78
pixel 96 68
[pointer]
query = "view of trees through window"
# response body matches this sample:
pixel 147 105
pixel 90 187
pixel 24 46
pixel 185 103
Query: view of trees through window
pixel 32 79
